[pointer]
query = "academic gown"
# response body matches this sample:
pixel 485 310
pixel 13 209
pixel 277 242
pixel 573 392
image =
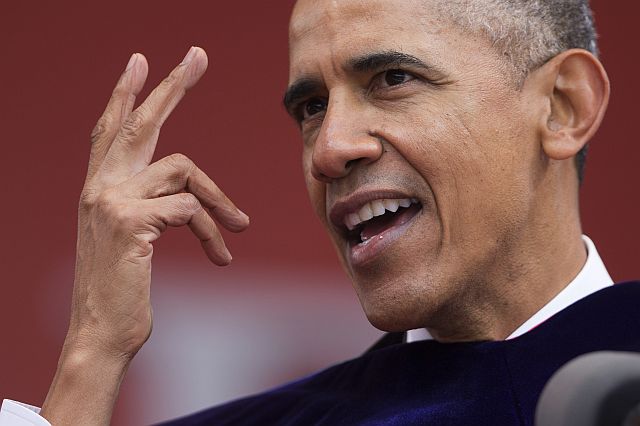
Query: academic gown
pixel 427 382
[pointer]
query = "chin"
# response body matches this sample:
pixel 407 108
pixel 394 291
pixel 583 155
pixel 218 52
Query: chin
pixel 390 321
pixel 394 311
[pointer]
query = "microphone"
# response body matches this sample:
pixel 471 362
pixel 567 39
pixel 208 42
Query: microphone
pixel 596 389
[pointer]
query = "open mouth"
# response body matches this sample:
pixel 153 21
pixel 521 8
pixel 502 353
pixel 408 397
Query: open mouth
pixel 376 218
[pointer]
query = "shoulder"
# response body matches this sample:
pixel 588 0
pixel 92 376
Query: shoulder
pixel 411 380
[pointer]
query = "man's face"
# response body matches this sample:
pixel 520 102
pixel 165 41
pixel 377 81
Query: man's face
pixel 401 113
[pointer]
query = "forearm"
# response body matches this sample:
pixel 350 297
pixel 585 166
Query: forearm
pixel 84 389
pixel 126 204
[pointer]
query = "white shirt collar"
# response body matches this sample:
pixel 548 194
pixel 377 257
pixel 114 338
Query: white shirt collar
pixel 592 278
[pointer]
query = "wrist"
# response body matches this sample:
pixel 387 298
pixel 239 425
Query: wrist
pixel 85 387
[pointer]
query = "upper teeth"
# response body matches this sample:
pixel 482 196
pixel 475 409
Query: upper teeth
pixel 375 208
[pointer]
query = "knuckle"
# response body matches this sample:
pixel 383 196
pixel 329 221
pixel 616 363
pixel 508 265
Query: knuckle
pixel 172 86
pixel 87 200
pixel 190 203
pixel 106 203
pixel 181 162
pixel 170 81
pixel 122 216
pixel 100 129
pixel 135 123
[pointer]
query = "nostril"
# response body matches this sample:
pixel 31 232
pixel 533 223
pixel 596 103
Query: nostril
pixel 350 163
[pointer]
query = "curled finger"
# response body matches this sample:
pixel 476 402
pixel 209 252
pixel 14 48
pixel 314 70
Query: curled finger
pixel 212 242
pixel 177 173
pixel 185 209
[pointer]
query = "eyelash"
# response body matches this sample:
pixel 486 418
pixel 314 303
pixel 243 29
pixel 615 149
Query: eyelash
pixel 384 74
pixel 374 85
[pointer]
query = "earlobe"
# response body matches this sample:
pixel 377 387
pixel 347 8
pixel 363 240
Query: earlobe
pixel 578 94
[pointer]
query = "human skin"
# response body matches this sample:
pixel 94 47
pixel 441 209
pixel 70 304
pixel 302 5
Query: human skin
pixel 125 205
pixel 490 164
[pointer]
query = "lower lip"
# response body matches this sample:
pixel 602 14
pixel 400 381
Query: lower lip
pixel 363 253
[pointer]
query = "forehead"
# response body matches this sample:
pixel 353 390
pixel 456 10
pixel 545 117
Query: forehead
pixel 329 16
pixel 324 32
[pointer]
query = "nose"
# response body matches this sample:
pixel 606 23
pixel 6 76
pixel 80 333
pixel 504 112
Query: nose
pixel 345 140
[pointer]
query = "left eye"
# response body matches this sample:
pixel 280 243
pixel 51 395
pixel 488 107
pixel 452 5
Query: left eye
pixel 396 77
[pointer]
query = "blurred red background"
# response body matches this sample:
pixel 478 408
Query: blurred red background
pixel 284 308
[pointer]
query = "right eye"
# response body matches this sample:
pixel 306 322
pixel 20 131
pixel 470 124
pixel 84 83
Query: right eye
pixel 313 106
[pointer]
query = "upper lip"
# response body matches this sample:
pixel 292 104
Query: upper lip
pixel 354 202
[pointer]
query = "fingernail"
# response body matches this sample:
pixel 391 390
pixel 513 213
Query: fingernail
pixel 132 62
pixel 228 256
pixel 190 54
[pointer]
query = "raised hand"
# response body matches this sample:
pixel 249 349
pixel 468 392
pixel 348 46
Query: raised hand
pixel 126 204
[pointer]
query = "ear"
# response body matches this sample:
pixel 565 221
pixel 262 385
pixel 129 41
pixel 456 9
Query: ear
pixel 576 89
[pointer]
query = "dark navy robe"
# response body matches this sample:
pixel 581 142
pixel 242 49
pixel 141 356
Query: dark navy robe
pixel 431 383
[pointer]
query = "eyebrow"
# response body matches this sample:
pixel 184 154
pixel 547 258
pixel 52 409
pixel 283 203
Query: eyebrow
pixel 377 60
pixel 300 90
pixel 305 87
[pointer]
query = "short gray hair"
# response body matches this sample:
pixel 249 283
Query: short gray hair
pixel 527 33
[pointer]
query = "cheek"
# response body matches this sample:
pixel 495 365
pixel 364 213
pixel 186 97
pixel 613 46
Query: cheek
pixel 482 182
pixel 466 146
pixel 467 156
pixel 440 149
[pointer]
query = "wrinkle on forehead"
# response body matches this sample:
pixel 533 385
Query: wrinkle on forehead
pixel 331 15
pixel 327 34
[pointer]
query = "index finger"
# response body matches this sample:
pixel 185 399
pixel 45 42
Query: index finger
pixel 117 110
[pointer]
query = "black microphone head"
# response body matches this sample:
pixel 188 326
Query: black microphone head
pixel 596 389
